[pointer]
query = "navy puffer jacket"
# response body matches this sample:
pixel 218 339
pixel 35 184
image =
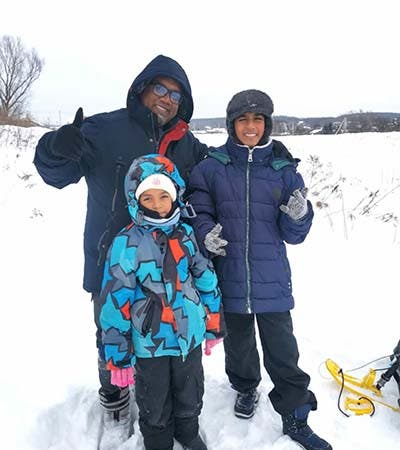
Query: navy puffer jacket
pixel 112 141
pixel 244 197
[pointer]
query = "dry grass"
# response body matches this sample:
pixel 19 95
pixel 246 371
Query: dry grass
pixel 18 121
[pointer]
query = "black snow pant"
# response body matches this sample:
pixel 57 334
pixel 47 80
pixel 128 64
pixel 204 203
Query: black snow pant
pixel 281 355
pixel 107 389
pixel 169 394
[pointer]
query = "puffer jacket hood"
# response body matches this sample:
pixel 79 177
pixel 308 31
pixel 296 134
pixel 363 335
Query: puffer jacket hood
pixel 140 169
pixel 167 67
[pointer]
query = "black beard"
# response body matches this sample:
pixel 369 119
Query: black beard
pixel 161 120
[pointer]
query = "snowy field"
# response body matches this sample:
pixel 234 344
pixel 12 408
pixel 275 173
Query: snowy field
pixel 344 278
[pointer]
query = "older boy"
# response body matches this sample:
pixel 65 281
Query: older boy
pixel 249 189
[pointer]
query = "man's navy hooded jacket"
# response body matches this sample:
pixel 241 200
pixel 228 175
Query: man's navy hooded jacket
pixel 112 141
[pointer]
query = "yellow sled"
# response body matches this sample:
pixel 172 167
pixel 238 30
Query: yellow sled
pixel 364 388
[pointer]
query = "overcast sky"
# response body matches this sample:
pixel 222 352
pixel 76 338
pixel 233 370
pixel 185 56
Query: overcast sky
pixel 313 57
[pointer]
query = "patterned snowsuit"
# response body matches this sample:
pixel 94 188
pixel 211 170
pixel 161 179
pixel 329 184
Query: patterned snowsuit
pixel 160 299
pixel 158 291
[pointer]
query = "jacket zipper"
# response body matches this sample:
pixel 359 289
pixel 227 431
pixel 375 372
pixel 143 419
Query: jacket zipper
pixel 156 131
pixel 105 241
pixel 248 280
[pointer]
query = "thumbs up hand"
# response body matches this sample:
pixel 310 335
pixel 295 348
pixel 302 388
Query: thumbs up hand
pixel 69 142
pixel 78 120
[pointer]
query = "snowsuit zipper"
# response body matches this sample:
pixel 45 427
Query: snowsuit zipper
pixel 163 249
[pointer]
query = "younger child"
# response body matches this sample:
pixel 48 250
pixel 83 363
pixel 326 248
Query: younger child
pixel 250 191
pixel 160 300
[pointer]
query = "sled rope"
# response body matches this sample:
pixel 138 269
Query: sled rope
pixel 362 405
pixel 340 394
pixel 369 363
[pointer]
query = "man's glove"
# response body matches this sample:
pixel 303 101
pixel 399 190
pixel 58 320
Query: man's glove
pixel 211 343
pixel 296 207
pixel 68 141
pixel 214 242
pixel 122 377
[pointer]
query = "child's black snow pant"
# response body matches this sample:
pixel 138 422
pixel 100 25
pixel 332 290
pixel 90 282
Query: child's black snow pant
pixel 169 393
pixel 281 355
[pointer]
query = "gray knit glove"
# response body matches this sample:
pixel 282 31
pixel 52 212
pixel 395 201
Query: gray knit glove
pixel 214 242
pixel 296 207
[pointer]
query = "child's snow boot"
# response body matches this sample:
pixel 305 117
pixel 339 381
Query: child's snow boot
pixel 246 404
pixel 295 426
pixel 117 426
pixel 196 444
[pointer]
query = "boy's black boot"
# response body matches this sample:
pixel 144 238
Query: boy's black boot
pixel 295 426
pixel 246 404
pixel 117 425
pixel 196 444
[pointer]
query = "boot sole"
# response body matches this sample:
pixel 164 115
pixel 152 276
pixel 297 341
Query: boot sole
pixel 302 446
pixel 244 416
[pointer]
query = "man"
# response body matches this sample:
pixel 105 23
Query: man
pixel 101 149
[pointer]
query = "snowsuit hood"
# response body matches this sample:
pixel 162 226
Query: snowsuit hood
pixel 140 169
pixel 167 67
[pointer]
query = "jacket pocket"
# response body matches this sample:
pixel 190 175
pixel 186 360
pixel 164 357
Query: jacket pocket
pixel 148 312
pixel 151 314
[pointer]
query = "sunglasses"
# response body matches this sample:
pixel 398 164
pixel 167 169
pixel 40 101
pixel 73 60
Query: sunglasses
pixel 161 91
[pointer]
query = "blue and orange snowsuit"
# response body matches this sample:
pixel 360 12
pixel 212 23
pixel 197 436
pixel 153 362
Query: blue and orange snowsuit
pixel 160 300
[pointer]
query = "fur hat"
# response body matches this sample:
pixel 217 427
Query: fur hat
pixel 251 100
pixel 157 181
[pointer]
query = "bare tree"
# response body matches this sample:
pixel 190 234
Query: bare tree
pixel 19 69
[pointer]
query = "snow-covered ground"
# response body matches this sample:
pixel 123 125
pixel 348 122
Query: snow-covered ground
pixel 344 279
